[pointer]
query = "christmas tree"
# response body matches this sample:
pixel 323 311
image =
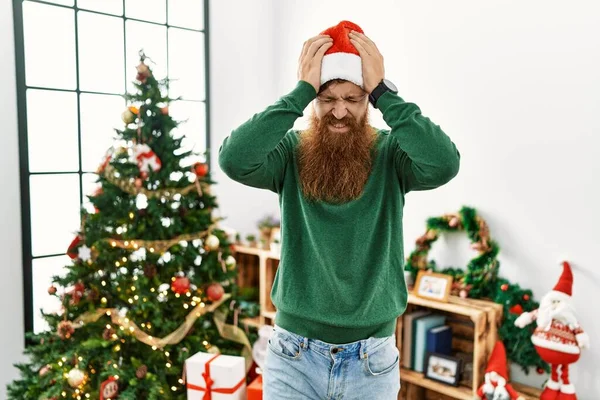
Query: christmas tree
pixel 152 279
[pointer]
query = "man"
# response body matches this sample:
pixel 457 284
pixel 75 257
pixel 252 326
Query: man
pixel 340 286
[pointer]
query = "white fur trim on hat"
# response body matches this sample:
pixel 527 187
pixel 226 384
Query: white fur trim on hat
pixel 567 389
pixel 556 295
pixel 346 66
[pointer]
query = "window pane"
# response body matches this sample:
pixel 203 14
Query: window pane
pixel 186 64
pixel 89 184
pixel 54 212
pixel 148 10
pixel 63 2
pixel 49 33
pixel 43 269
pixel 52 131
pixel 100 53
pixel 107 6
pixel 153 40
pixel 187 13
pixel 100 115
pixel 194 128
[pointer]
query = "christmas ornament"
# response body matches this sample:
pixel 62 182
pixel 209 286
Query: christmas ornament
pixel 65 329
pixel 496 386
pixel 230 262
pixel 108 334
pixel 463 293
pixel 76 293
pixel 180 285
pixel 45 369
pixel 504 287
pixel 51 290
pixel 164 110
pixel 109 388
pixel 143 72
pixel 516 309
pixel 212 242
pixel 128 117
pixel 201 169
pixel 150 271
pixel 526 297
pixel 76 377
pixel 84 253
pixel 215 291
pixel 138 183
pixel 140 373
pixel 558 338
pixel 146 159
pixel 71 250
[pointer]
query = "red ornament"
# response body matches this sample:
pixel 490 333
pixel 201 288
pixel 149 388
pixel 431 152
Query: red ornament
pixel 76 293
pixel 144 175
pixel 215 291
pixel 526 297
pixel 138 183
pixel 164 110
pixel 180 285
pixel 201 169
pixel 540 370
pixel 52 290
pixel 71 251
pixel 516 309
pixel 504 287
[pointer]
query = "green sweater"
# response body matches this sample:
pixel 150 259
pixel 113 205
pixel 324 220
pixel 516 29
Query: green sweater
pixel 340 278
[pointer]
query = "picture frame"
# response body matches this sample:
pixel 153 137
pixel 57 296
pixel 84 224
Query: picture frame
pixel 430 285
pixel 443 368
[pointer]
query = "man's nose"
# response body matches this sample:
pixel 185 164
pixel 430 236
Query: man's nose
pixel 339 110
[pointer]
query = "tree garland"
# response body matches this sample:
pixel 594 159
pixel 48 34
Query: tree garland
pixel 480 280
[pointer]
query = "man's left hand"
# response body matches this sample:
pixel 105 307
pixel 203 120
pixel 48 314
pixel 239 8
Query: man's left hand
pixel 372 60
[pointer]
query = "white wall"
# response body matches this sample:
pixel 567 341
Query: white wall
pixel 242 83
pixel 515 84
pixel 11 284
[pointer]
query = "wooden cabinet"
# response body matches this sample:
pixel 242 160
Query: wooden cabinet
pixel 475 322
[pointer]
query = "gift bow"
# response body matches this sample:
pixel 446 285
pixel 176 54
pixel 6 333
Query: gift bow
pixel 208 390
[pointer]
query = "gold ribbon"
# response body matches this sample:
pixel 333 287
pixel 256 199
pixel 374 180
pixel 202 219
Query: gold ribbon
pixel 227 331
pixel 129 187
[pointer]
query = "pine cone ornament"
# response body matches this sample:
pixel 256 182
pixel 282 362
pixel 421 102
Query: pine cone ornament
pixel 141 372
pixel 65 329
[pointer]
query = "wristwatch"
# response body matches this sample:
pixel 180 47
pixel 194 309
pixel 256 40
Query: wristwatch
pixel 384 86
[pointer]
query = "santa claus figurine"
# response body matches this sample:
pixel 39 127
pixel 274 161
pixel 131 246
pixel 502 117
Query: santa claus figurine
pixel 558 338
pixel 496 386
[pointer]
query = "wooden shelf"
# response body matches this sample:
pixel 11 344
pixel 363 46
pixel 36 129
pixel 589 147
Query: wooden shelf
pixel 257 252
pixel 460 392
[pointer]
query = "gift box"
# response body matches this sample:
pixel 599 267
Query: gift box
pixel 255 389
pixel 215 377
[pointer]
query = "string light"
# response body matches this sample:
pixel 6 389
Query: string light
pixel 133 288
pixel 108 313
pixel 113 244
pixel 103 283
pixel 152 290
pixel 167 353
pixel 118 264
pixel 173 388
pixel 124 259
pixel 168 365
pixel 188 294
pixel 185 306
pixel 136 297
pixel 135 278
pixel 131 215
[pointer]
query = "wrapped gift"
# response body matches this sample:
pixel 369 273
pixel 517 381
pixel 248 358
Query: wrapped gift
pixel 215 377
pixel 255 389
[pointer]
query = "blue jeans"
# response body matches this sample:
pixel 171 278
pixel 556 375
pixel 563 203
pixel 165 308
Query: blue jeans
pixel 297 368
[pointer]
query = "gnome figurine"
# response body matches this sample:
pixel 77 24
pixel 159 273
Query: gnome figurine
pixel 496 386
pixel 558 338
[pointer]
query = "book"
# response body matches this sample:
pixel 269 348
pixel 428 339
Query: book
pixel 407 336
pixel 422 325
pixel 439 340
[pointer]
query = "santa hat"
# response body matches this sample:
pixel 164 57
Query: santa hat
pixel 563 289
pixel 497 361
pixel 342 60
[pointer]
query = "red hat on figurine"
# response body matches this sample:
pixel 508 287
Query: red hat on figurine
pixel 565 282
pixel 497 361
pixel 342 60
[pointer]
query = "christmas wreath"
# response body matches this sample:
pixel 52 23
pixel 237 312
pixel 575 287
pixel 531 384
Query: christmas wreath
pixel 480 280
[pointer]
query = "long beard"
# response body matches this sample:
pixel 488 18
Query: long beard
pixel 563 314
pixel 334 167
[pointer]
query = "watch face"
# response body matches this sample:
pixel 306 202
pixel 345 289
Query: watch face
pixel 390 85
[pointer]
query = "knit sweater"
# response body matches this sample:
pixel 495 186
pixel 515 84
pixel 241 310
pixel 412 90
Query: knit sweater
pixel 340 278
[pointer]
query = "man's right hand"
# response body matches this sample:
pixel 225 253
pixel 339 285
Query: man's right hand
pixel 309 63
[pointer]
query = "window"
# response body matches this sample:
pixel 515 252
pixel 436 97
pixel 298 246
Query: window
pixel 75 60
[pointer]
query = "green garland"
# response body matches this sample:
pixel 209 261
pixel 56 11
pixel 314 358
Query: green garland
pixel 480 280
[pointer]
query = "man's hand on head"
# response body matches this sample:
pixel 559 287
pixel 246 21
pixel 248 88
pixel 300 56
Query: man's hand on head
pixel 372 60
pixel 309 63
